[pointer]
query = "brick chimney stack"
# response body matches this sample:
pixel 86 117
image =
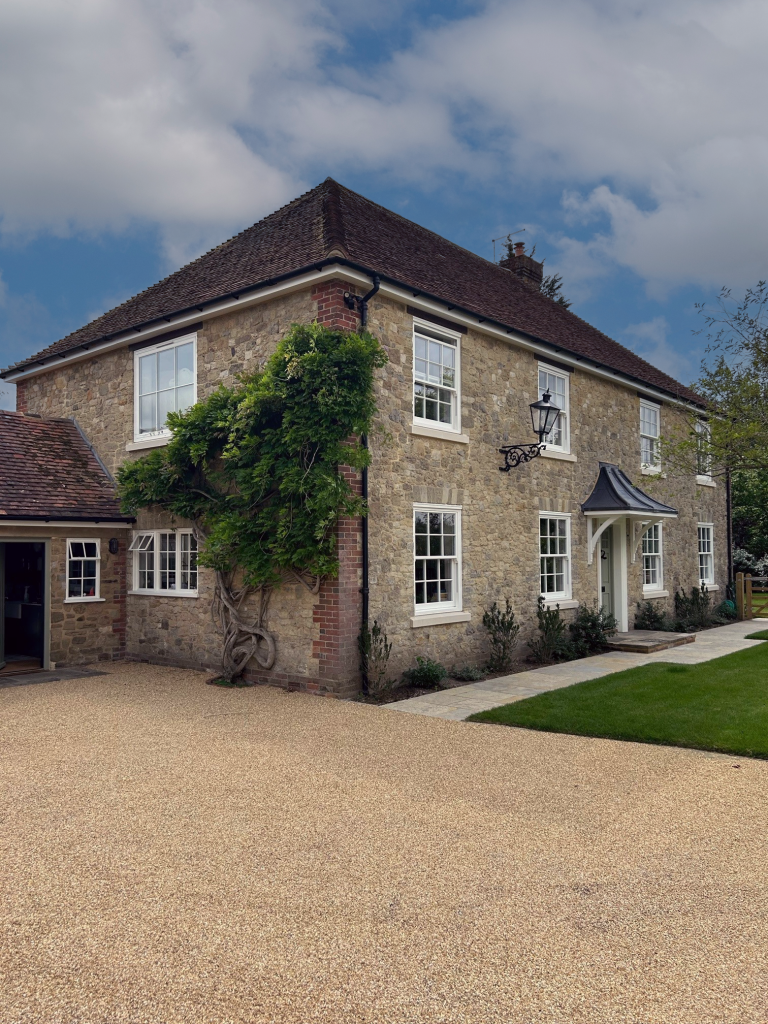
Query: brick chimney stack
pixel 529 270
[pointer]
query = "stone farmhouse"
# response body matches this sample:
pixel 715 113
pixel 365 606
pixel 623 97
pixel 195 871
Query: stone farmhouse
pixel 471 345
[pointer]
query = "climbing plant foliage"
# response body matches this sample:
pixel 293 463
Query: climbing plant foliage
pixel 255 467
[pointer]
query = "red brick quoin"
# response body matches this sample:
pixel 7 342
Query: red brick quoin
pixel 22 404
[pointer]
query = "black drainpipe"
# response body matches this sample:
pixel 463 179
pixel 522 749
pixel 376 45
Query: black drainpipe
pixel 365 298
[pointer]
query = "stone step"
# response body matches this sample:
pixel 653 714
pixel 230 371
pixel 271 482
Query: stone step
pixel 648 641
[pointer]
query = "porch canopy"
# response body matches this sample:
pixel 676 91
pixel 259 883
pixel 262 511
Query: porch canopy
pixel 614 497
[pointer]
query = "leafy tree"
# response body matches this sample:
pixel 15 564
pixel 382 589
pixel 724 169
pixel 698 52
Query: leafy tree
pixel 552 287
pixel 734 383
pixel 750 512
pixel 255 468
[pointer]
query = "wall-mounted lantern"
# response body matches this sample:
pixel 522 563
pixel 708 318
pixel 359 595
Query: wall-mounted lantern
pixel 543 418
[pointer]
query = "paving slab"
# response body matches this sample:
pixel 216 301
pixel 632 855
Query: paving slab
pixel 462 701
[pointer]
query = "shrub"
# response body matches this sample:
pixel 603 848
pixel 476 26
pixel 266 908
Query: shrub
pixel 426 673
pixel 692 611
pixel 648 616
pixel 467 674
pixel 590 630
pixel 552 643
pixel 503 631
pixel 374 656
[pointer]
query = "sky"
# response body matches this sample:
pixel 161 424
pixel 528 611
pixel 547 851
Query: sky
pixel 629 139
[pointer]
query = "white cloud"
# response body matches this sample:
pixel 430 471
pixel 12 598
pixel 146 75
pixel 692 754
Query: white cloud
pixel 202 115
pixel 650 341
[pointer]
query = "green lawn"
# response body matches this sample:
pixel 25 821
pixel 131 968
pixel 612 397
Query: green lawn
pixel 718 705
pixel 761 634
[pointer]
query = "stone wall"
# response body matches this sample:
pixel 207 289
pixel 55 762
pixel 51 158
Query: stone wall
pixel 500 510
pixel 88 631
pixel 317 633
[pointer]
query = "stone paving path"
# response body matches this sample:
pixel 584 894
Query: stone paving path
pixel 461 701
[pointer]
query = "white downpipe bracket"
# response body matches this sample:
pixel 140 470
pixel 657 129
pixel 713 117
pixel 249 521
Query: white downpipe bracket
pixel 594 536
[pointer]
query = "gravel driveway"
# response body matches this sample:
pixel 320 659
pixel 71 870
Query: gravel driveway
pixel 171 852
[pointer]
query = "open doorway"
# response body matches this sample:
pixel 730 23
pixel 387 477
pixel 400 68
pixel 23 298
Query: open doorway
pixel 22 606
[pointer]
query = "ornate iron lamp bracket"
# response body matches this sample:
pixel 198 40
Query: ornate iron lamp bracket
pixel 518 454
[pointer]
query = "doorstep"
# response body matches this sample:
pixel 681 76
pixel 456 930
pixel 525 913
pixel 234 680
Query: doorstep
pixel 648 641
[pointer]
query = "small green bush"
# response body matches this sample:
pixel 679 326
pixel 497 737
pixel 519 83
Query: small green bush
pixel 552 643
pixel 692 611
pixel 503 631
pixel 467 674
pixel 648 616
pixel 426 673
pixel 590 630
pixel 374 655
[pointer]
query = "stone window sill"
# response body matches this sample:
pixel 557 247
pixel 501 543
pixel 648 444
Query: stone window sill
pixel 549 453
pixel 439 619
pixel 652 471
pixel 148 442
pixel 443 435
pixel 565 603
pixel 705 481
pixel 163 593
pixel 711 586
pixel 651 595
pixel 83 600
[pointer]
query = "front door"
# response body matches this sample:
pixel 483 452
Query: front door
pixel 606 571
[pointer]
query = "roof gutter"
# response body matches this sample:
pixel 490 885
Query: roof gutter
pixel 245 296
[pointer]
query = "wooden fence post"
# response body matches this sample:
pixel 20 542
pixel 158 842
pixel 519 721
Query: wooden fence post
pixel 748 597
pixel 740 594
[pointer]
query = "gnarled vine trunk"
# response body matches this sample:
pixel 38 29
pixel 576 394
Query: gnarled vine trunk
pixel 243 640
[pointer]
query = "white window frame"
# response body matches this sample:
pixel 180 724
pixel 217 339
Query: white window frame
pixel 710 582
pixel 565 414
pixel 652 588
pixel 442 606
pixel 139 544
pixel 147 435
pixel 650 467
pixel 558 597
pixel 446 337
pixel 704 465
pixel 90 597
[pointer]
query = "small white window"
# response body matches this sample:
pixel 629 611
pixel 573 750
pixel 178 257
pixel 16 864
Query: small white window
pixel 165 562
pixel 436 399
pixel 555 556
pixel 436 558
pixel 649 437
pixel 164 381
pixel 653 569
pixel 83 570
pixel 706 555
pixel 703 454
pixel 557 384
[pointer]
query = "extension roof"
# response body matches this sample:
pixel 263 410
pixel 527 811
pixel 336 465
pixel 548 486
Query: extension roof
pixel 50 473
pixel 614 492
pixel 331 222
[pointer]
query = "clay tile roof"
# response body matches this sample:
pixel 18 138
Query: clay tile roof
pixel 331 220
pixel 47 471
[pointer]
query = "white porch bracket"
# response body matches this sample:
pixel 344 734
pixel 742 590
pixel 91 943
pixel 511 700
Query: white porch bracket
pixel 593 536
pixel 639 527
